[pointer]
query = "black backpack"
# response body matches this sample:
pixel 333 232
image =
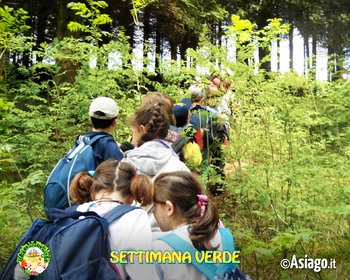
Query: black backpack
pixel 183 139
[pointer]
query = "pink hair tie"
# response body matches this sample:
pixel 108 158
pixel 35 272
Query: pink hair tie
pixel 136 175
pixel 202 201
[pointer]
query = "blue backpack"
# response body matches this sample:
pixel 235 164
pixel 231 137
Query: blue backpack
pixel 227 271
pixel 79 158
pixel 79 247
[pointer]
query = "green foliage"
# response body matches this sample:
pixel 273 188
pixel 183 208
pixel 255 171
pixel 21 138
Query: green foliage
pixel 287 162
pixel 246 36
pixel 11 25
pixel 93 16
pixel 291 176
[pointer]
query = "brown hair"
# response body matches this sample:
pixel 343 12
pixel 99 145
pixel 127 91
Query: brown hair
pixel 80 188
pixel 154 97
pixel 153 118
pixel 225 85
pixel 181 188
pixel 112 175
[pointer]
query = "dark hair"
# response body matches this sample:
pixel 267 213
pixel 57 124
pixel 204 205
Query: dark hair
pixel 154 119
pixel 154 97
pixel 181 188
pixel 113 175
pixel 102 124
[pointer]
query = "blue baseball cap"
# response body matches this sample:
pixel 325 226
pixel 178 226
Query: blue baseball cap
pixel 181 114
pixel 187 101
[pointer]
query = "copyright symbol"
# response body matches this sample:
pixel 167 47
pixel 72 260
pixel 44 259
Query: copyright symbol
pixel 285 263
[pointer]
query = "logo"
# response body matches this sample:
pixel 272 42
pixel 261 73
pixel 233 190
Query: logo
pixel 34 257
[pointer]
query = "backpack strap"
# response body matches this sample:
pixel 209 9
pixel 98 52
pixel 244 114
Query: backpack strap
pixel 165 144
pixel 208 269
pixel 72 212
pixel 94 138
pixel 228 246
pixel 178 144
pixel 81 141
pixel 118 211
pixel 187 125
pixel 181 141
pixel 197 107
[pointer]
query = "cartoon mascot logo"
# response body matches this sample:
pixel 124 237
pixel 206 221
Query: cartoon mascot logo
pixel 34 257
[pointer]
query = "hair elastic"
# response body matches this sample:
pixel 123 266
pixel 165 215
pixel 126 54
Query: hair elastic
pixel 202 201
pixel 91 173
pixel 136 175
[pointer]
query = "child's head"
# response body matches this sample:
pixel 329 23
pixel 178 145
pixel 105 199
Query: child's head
pixel 226 85
pixel 80 188
pixel 148 123
pixel 181 113
pixel 215 80
pixel 197 94
pixel 178 198
pixel 154 97
pixel 103 112
pixel 112 176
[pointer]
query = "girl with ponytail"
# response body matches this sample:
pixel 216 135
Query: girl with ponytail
pixel 181 207
pixel 152 154
pixel 115 183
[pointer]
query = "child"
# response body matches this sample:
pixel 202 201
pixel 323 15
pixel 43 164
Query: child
pixel 207 119
pixel 103 116
pixel 152 154
pixel 152 98
pixel 185 145
pixel 80 187
pixel 181 207
pixel 83 157
pixel 158 97
pixel 113 184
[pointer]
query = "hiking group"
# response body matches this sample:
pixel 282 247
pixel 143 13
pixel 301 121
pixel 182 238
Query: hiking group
pixel 142 196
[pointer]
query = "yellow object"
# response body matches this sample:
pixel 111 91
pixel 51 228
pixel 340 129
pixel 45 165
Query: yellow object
pixel 192 154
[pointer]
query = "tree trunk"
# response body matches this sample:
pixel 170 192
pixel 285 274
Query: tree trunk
pixel 146 32
pixel 41 26
pixel 331 63
pixel 314 54
pixel 339 65
pixel 278 56
pixel 306 54
pixel 68 68
pixel 127 21
pixel 291 47
pixel 4 60
pixel 158 46
pixel 264 52
pixel 184 45
pixel 173 50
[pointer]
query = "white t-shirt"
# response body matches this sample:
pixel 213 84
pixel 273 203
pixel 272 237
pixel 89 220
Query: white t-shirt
pixel 131 232
pixel 224 106
pixel 181 271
